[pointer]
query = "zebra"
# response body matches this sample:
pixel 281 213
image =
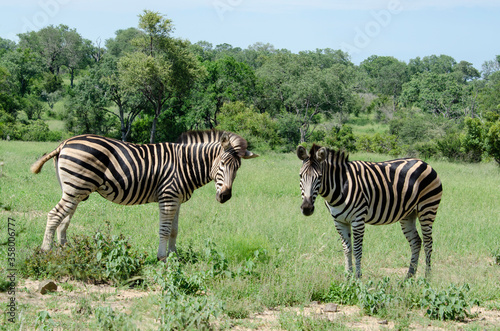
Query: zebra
pixel 133 174
pixel 358 193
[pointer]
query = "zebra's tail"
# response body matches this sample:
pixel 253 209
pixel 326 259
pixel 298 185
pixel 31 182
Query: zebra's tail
pixel 37 166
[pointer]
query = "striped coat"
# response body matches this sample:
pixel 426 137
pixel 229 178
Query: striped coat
pixel 132 174
pixel 358 193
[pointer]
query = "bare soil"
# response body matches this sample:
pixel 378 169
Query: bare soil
pixel 123 300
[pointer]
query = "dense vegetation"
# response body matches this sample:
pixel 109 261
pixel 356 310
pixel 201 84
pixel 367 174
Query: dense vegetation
pixel 144 85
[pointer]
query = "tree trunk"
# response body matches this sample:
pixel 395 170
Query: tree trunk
pixel 153 130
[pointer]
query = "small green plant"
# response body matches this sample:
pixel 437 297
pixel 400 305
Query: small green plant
pixel 450 304
pixel 344 293
pixel 44 321
pixel 110 320
pixel 373 299
pixel 5 285
pixel 184 304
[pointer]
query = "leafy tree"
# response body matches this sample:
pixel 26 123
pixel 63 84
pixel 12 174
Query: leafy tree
pixel 435 93
pixel 442 64
pixel 304 85
pixel 226 81
pixel 87 112
pixel 490 67
pixel 164 68
pixel 122 43
pixel 129 104
pixel 6 45
pixel 465 72
pixel 77 52
pixel 24 66
pixel 8 102
pixel 49 44
pixel 386 76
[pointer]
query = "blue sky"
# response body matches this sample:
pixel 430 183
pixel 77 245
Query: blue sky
pixel 464 29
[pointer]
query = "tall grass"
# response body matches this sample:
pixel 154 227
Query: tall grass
pixel 303 255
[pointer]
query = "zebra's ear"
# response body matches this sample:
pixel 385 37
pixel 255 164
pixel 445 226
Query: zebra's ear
pixel 321 154
pixel 249 155
pixel 224 141
pixel 302 153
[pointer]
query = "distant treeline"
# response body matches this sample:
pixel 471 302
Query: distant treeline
pixel 144 85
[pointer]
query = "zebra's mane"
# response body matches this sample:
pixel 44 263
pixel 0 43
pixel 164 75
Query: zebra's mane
pixel 207 136
pixel 339 156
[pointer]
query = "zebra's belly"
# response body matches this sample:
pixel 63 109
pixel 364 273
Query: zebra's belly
pixel 126 197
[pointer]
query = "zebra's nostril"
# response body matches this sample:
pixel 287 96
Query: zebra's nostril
pixel 223 196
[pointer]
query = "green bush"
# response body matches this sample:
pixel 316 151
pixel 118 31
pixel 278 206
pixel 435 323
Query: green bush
pixel 450 304
pixel 473 140
pixel 258 128
pixel 341 138
pixel 344 293
pixel 379 143
pixel 373 299
pixel 184 304
pixel 492 141
pixel 101 258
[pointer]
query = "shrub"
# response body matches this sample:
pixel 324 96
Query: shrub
pixel 492 141
pixel 258 128
pixel 379 143
pixel 473 140
pixel 372 299
pixel 343 293
pixel 101 258
pixel 341 138
pixel 450 304
pixel 184 304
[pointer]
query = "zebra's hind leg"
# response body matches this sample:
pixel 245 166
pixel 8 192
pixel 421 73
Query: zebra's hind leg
pixel 409 228
pixel 61 230
pixel 426 226
pixel 65 208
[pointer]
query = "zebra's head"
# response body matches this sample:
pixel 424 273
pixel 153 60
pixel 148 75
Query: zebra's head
pixel 234 148
pixel 311 174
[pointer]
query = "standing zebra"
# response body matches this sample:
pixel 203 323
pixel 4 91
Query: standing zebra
pixel 131 174
pixel 377 193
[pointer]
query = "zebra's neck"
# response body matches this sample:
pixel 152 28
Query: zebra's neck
pixel 334 171
pixel 197 162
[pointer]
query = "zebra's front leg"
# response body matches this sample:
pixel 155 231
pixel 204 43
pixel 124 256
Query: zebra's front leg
pixel 358 231
pixel 344 229
pixel 173 233
pixel 168 215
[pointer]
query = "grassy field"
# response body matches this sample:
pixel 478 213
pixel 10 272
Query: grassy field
pixel 299 257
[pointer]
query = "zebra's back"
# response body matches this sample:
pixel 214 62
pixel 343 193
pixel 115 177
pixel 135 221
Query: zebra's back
pixel 393 189
pixel 121 172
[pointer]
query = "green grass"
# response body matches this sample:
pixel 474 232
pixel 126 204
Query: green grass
pixel 304 254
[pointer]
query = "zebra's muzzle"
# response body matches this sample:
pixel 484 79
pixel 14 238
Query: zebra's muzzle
pixel 307 207
pixel 223 196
